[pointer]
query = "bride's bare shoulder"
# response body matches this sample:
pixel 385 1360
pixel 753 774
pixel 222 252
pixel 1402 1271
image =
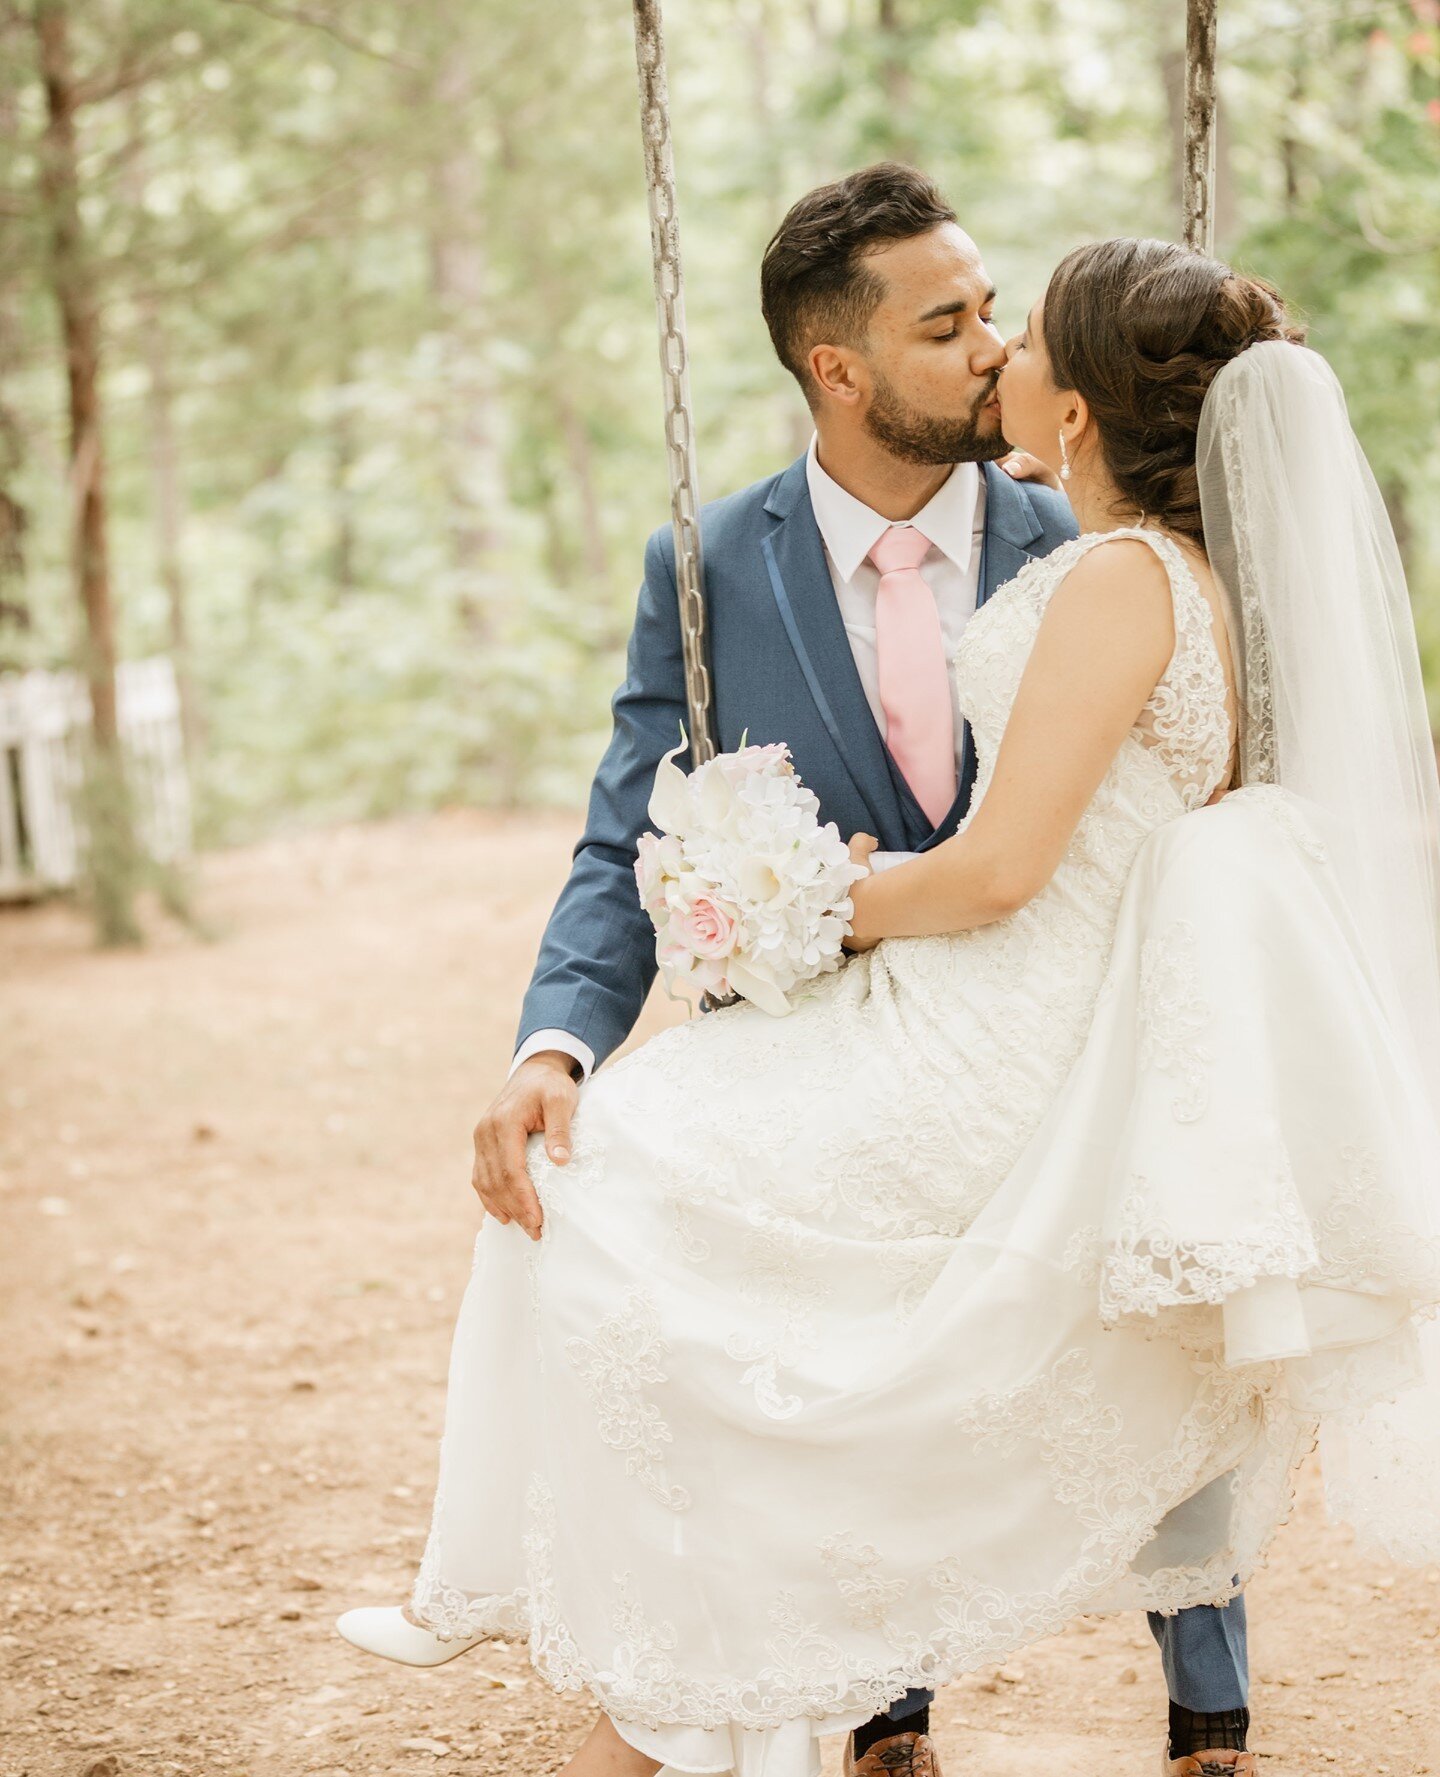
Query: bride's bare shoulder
pixel 1110 605
pixel 1118 576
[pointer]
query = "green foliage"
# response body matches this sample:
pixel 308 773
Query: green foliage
pixel 386 283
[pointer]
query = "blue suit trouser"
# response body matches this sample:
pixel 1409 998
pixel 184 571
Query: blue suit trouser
pixel 1202 1651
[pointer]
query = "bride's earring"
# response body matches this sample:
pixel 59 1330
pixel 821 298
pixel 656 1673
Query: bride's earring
pixel 1064 459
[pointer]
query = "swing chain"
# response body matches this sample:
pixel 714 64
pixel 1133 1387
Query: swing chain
pixel 675 372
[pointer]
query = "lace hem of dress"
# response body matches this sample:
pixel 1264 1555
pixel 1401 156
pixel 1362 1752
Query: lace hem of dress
pixel 1360 1242
pixel 1245 1415
pixel 820 1681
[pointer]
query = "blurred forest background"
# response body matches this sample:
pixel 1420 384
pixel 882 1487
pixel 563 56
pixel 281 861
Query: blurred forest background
pixel 327 344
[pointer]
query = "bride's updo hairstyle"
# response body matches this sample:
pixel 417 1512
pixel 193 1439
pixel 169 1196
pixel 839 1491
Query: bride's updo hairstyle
pixel 1141 329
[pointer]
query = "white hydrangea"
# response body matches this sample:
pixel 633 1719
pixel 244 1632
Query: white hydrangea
pixel 747 891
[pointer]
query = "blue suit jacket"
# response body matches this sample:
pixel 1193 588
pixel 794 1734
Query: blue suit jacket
pixel 781 668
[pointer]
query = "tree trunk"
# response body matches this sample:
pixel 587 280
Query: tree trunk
pixel 896 82
pixel 14 607
pixel 775 173
pixel 759 32
pixel 580 460
pixel 344 452
pixel 1172 76
pixel 167 497
pixel 267 531
pixel 1289 141
pixel 114 857
pixel 1198 151
pixel 460 275
pixel 165 482
pixel 559 542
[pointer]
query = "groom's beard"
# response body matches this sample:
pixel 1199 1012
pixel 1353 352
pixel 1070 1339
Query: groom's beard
pixel 923 438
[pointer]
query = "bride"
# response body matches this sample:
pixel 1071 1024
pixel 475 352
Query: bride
pixel 1009 1277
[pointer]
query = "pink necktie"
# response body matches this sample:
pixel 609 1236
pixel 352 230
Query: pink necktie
pixel 914 674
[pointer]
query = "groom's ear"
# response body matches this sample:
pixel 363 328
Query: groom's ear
pixel 839 374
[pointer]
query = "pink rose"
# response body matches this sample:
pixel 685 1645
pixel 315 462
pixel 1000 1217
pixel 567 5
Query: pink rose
pixel 706 928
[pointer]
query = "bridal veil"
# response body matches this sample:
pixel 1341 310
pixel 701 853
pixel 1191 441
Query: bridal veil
pixel 1333 709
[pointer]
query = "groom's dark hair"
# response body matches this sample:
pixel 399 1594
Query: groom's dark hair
pixel 814 282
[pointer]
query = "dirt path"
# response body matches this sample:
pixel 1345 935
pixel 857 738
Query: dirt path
pixel 236 1223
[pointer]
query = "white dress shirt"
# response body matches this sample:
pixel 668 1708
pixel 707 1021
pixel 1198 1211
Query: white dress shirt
pixel 954 521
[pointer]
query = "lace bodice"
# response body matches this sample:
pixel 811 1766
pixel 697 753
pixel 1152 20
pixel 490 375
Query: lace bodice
pixel 1184 733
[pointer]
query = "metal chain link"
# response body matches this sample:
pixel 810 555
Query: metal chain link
pixel 675 373
pixel 1199 174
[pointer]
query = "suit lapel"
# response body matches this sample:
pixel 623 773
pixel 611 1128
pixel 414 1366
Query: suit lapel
pixel 805 594
pixel 1010 528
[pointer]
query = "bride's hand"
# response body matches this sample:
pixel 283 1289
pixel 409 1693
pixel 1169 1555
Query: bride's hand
pixel 1021 466
pixel 861 847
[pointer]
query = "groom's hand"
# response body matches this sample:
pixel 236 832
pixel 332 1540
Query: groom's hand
pixel 540 1095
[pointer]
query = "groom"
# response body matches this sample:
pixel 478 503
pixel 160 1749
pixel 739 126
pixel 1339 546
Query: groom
pixel 837 592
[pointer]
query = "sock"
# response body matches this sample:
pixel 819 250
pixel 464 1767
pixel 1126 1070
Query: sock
pixel 881 1728
pixel 1191 1730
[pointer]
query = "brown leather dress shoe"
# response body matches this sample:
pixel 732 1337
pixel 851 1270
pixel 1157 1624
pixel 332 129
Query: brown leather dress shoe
pixel 1208 1764
pixel 898 1755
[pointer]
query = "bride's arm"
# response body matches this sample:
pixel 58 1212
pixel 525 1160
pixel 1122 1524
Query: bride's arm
pixel 1106 639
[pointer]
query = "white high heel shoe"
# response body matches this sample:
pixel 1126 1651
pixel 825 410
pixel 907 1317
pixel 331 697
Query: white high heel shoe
pixel 383 1629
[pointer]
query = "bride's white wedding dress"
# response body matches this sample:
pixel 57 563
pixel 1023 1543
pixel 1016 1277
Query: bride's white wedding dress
pixel 1005 1280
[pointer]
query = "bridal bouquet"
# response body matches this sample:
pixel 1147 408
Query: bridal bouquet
pixel 748 893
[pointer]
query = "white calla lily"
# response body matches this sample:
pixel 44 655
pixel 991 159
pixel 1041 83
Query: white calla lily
pixel 715 800
pixel 759 880
pixel 759 989
pixel 669 805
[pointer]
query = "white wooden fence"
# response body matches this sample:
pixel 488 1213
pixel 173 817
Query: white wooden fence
pixel 44 720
